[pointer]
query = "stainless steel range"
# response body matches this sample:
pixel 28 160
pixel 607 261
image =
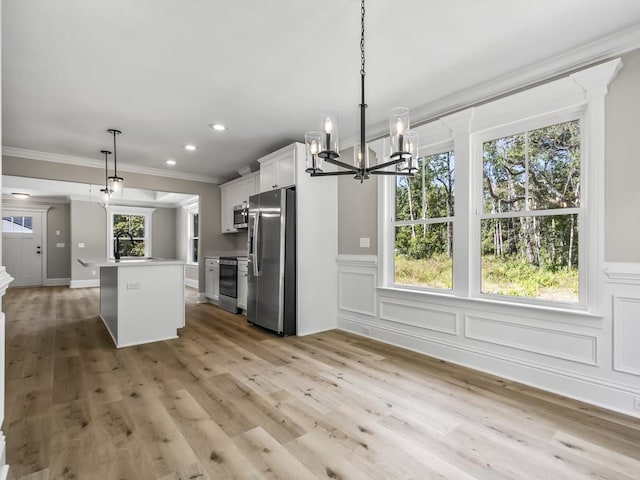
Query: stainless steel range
pixel 229 284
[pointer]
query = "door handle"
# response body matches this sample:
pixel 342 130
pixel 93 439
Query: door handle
pixel 256 246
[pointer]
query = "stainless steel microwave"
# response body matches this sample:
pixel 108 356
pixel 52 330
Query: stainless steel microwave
pixel 241 216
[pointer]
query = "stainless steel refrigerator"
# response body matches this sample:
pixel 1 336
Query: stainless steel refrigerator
pixel 271 298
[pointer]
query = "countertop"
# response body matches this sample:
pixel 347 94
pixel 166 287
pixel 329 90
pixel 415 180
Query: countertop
pixel 128 262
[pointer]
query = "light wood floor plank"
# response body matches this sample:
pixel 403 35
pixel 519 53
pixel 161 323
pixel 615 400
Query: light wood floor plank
pixel 228 401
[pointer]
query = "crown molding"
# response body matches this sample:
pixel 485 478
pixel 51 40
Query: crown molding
pixel 552 68
pixel 93 163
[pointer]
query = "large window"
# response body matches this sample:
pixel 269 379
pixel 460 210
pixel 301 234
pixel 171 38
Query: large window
pixel 423 227
pixel 130 227
pixel 531 213
pixel 518 222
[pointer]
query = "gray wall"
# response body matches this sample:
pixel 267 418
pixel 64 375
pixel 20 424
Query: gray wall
pixel 163 233
pixel 180 237
pixel 88 226
pixel 59 259
pixel 357 212
pixel 212 240
pixel 622 168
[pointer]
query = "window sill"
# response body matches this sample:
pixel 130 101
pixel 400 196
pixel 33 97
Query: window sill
pixel 571 315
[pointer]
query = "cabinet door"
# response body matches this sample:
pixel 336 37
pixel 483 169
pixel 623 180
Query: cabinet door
pixel 286 169
pixel 242 287
pixel 268 175
pixel 251 187
pixel 226 209
pixel 211 278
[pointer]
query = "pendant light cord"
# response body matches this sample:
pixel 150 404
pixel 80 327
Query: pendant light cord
pixel 363 105
pixel 115 155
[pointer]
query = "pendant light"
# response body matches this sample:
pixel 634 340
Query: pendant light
pixel 115 182
pixel 323 146
pixel 106 191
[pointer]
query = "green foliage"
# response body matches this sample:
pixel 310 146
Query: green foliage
pixel 524 254
pixel 133 224
pixel 504 276
pixel 434 272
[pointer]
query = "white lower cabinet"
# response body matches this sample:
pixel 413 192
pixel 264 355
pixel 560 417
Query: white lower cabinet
pixel 242 284
pixel 212 279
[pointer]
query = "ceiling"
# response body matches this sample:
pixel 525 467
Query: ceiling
pixel 47 191
pixel 163 70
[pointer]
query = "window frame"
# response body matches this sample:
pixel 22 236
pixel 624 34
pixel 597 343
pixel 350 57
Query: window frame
pixel 582 92
pixel 425 151
pixel 476 157
pixel 145 212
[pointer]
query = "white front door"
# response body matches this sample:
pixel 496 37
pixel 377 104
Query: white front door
pixel 22 246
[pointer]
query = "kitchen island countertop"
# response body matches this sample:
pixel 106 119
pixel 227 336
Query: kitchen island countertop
pixel 128 262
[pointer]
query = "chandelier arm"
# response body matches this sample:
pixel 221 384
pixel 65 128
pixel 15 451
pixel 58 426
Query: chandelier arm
pixel 395 174
pixel 339 163
pixel 386 164
pixel 333 174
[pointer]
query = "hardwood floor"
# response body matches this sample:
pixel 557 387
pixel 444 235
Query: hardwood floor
pixel 227 401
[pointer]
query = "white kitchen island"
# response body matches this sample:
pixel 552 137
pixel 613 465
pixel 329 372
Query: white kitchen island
pixel 141 300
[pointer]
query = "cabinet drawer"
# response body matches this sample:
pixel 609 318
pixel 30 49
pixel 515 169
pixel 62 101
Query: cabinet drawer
pixel 212 262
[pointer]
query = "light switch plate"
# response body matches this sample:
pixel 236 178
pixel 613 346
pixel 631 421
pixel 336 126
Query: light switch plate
pixel 365 242
pixel 81 245
pixel 58 232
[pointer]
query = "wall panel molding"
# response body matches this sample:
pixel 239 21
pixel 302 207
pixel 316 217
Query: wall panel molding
pixel 530 338
pixel 412 314
pixel 626 334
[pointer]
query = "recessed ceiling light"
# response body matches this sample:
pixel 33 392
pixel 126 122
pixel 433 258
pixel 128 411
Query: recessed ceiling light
pixel 218 127
pixel 171 162
pixel 20 195
pixel 190 147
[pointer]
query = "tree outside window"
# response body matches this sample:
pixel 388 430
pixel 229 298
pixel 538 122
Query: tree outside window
pixel 424 224
pixel 531 211
pixel 134 225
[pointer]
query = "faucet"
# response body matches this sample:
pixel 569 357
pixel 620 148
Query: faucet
pixel 117 252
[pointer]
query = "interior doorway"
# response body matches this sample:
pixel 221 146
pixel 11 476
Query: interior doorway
pixel 23 247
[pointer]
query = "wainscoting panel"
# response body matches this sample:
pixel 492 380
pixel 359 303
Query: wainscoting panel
pixel 357 292
pixel 357 280
pixel 530 338
pixel 419 315
pixel 626 335
pixel 590 356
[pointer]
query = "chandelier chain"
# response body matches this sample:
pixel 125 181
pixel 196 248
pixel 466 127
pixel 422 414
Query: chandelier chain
pixel 362 38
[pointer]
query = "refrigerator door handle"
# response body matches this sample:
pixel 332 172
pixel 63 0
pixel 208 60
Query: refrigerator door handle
pixel 256 245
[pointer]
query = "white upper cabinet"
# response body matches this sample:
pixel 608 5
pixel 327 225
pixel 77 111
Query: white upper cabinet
pixel 234 193
pixel 278 169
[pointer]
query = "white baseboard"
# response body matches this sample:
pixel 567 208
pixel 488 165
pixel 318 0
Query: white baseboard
pixel 190 282
pixel 50 282
pixel 596 391
pixel 202 298
pixel 85 283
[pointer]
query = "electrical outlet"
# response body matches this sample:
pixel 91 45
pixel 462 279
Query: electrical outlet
pixel 636 403
pixel 93 272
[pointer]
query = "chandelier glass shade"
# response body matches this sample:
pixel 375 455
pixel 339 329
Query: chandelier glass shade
pixel 116 182
pixel 323 146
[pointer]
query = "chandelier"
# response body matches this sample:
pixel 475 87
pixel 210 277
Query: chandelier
pixel 323 146
pixel 115 182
